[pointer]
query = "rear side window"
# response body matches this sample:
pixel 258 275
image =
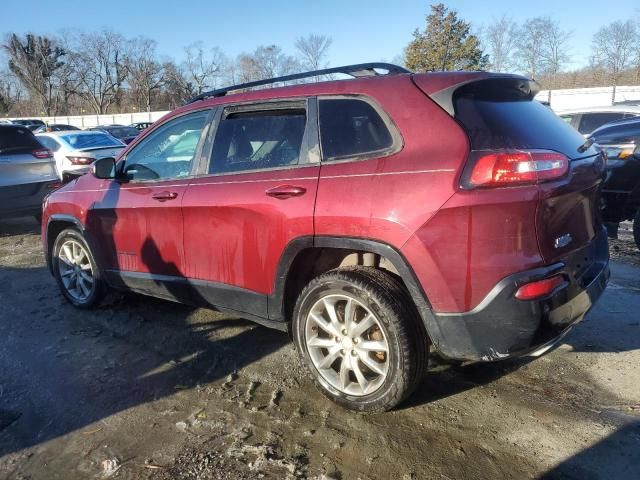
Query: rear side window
pixel 591 121
pixel 501 114
pixel 17 139
pixel 255 140
pixel 49 143
pixel 350 127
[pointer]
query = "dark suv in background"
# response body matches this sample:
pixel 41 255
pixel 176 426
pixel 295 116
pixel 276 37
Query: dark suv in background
pixel 373 218
pixel 621 190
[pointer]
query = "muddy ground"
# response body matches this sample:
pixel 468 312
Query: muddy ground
pixel 146 389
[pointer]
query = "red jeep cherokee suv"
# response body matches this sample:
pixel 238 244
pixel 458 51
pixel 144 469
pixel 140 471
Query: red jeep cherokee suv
pixel 373 218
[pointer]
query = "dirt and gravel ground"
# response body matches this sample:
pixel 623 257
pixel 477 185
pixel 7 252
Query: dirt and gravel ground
pixel 145 389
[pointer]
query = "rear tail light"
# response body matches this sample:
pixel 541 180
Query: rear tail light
pixel 513 167
pixel 42 153
pixel 55 185
pixel 540 288
pixel 81 160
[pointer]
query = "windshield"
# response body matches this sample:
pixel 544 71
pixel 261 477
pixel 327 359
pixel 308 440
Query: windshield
pixel 84 140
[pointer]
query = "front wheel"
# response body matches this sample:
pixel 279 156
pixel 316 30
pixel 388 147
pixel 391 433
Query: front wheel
pixel 75 270
pixel 360 337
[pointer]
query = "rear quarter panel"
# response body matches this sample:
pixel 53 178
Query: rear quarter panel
pixel 388 198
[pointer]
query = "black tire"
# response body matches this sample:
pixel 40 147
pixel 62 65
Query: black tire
pixel 98 290
pixel 391 304
pixel 636 228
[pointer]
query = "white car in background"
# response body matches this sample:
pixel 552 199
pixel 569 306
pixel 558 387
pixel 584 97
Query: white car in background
pixel 587 119
pixel 74 151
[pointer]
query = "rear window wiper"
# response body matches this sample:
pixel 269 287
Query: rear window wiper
pixel 585 146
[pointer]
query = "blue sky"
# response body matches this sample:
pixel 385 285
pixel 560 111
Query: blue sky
pixel 362 30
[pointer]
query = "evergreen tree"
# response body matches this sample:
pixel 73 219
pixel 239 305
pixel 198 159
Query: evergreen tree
pixel 445 44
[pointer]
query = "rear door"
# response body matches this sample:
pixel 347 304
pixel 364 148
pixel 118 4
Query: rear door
pixel 255 194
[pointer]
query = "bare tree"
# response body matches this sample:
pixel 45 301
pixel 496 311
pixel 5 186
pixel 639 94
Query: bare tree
pixel 146 73
pixel 500 41
pixel 177 88
pixel 555 47
pixel 541 47
pixel 529 46
pixel 265 62
pixel 34 61
pixel 313 50
pixel 637 45
pixel 613 49
pixel 100 60
pixel 203 68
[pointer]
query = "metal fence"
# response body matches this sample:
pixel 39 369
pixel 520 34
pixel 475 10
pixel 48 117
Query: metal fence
pixel 589 97
pixel 86 121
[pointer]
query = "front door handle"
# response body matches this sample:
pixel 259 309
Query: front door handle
pixel 286 191
pixel 164 196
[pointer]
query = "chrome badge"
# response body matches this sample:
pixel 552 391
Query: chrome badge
pixel 562 241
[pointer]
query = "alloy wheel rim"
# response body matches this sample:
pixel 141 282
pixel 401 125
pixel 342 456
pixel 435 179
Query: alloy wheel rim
pixel 347 345
pixel 75 270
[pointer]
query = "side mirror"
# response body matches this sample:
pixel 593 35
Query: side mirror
pixel 104 168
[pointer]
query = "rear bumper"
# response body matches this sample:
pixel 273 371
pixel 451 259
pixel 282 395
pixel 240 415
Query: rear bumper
pixel 502 326
pixel 23 200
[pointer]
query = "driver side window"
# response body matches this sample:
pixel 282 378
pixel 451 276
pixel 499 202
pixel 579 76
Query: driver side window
pixel 169 151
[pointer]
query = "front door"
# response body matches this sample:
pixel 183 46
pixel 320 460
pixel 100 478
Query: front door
pixel 256 195
pixel 140 220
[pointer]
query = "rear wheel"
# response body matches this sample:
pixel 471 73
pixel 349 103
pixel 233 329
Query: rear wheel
pixel 75 270
pixel 636 228
pixel 360 338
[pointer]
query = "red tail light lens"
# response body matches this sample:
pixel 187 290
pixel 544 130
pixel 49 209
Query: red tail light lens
pixel 81 160
pixel 518 167
pixel 540 288
pixel 55 185
pixel 42 153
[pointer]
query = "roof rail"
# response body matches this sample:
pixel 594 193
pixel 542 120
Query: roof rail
pixel 358 70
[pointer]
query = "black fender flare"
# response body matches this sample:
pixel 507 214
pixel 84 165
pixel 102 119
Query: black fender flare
pixel 276 304
pixel 69 219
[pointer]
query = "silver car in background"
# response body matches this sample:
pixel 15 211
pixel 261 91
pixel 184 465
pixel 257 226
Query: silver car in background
pixel 27 172
pixel 74 151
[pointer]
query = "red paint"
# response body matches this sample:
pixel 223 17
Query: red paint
pixel 235 231
pixel 233 228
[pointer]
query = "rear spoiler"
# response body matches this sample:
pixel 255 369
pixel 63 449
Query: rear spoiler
pixel 480 85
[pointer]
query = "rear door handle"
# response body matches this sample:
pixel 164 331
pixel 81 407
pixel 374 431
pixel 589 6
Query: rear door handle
pixel 286 191
pixel 164 196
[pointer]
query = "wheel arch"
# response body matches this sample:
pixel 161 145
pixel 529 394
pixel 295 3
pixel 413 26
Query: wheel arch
pixel 56 223
pixel 306 257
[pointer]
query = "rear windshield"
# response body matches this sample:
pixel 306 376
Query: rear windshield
pixel 13 140
pixel 501 114
pixel 80 141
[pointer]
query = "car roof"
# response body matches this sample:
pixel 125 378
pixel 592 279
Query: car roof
pixel 14 126
pixel 64 133
pixel 617 124
pixel 602 109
